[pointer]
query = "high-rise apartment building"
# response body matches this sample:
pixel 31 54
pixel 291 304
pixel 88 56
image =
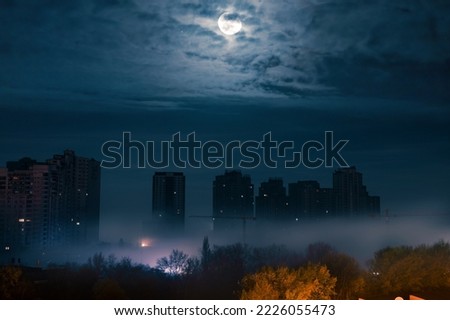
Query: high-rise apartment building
pixel 78 198
pixel 351 196
pixel 26 205
pixel 168 214
pixel 271 202
pixel 307 199
pixel 233 199
pixel 49 203
pixel 304 198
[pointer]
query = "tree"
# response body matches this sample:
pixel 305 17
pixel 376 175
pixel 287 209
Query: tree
pixel 273 256
pixel 176 264
pixel 218 273
pixel 205 255
pixel 350 276
pixel 422 271
pixel 317 252
pixel 312 282
pixel 98 263
pixel 108 289
pixel 11 283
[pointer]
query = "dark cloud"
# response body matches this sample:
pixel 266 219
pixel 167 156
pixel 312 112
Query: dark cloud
pixel 348 47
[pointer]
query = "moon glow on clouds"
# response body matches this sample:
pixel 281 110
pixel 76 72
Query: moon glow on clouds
pixel 229 23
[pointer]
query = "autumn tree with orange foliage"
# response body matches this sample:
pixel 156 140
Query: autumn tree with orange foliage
pixel 312 282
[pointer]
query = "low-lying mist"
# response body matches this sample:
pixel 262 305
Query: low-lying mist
pixel 358 237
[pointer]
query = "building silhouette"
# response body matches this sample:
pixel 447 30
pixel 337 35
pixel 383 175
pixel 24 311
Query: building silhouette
pixel 351 196
pixel 27 210
pixel 168 206
pixel 307 199
pixel 271 201
pixel 304 198
pixel 78 198
pixel 326 202
pixel 44 204
pixel 233 200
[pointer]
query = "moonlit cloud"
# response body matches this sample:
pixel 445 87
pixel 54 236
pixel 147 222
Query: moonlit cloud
pixel 166 48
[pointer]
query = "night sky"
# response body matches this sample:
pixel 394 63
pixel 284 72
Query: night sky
pixel 74 74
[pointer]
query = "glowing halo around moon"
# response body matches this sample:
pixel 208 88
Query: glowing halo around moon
pixel 229 23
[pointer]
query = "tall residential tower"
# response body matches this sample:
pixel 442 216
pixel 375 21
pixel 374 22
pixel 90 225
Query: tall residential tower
pixel 44 204
pixel 232 200
pixel 351 196
pixel 168 203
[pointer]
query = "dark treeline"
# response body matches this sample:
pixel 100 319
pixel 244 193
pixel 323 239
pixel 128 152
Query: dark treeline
pixel 237 271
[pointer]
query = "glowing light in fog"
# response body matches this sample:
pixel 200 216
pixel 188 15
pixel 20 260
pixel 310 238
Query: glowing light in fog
pixel 145 243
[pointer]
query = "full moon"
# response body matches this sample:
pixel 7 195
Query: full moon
pixel 229 23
